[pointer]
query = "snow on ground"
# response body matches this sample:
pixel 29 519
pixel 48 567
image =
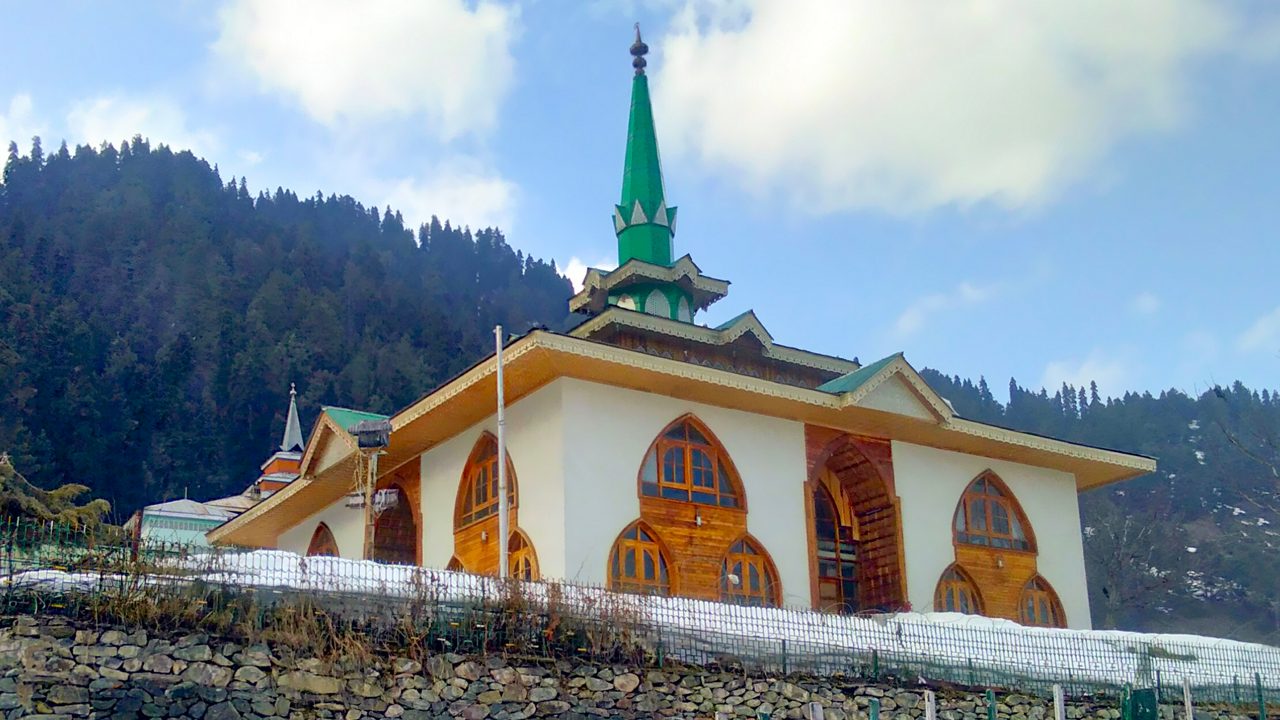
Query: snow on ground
pixel 996 645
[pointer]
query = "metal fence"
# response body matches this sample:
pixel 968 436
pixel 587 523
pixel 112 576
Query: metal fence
pixel 50 568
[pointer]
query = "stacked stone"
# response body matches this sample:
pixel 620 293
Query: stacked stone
pixel 53 668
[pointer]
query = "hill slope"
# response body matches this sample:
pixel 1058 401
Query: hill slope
pixel 152 317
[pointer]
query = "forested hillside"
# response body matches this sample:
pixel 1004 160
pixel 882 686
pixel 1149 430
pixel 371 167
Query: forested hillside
pixel 153 315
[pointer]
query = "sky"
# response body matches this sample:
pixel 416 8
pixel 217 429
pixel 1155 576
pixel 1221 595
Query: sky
pixel 1054 192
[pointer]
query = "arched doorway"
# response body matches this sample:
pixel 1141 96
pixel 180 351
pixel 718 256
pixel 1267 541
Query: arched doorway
pixel 395 534
pixel 854 527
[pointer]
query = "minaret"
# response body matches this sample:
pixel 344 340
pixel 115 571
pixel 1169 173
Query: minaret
pixel 644 224
pixel 292 428
pixel 284 465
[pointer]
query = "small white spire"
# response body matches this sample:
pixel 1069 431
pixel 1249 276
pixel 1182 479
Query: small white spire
pixel 292 428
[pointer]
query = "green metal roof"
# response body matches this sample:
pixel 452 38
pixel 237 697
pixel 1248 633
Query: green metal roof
pixel 855 379
pixel 345 417
pixel 643 222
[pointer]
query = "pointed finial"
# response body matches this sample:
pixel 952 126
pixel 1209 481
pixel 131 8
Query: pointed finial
pixel 293 390
pixel 639 50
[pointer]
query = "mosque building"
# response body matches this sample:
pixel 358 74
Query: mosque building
pixel 654 454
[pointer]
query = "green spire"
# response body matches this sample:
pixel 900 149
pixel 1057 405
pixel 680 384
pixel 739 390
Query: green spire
pixel 643 222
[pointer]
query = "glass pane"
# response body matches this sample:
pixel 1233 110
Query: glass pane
pixel 728 501
pixel 695 436
pixel 629 564
pixel 978 515
pixel 701 470
pixel 704 498
pixel 673 467
pixel 650 570
pixel 959 520
pixel 649 470
pixel 999 518
pixel 677 432
pixel 674 493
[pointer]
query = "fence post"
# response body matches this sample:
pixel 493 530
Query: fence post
pixel 784 656
pixel 930 705
pixel 1159 688
pixel 875 665
pixel 1262 699
pixel 873 709
pixel 1235 687
pixel 991 705
pixel 1059 703
pixel 1186 698
pixel 969 662
pixel 1126 702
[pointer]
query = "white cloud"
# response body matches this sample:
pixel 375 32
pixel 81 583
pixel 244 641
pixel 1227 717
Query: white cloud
pixel 912 105
pixel 1263 334
pixel 18 123
pixel 250 157
pixel 1111 373
pixel 1145 303
pixel 449 60
pixel 459 190
pixel 919 312
pixel 116 119
pixel 576 270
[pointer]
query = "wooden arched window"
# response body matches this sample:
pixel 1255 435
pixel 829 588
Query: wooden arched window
pixel 957 593
pixel 687 463
pixel 1039 605
pixel 837 555
pixel 322 543
pixel 522 561
pixel 638 563
pixel 747 576
pixel 455 565
pixel 989 516
pixel 478 491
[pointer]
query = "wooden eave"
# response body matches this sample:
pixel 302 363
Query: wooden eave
pixel 684 273
pixel 745 324
pixel 540 357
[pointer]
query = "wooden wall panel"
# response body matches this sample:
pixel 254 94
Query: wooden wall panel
pixel 476 546
pixel 744 356
pixel 999 575
pixel 696 553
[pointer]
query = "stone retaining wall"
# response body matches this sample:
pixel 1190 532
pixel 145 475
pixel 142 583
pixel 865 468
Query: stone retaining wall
pixel 55 668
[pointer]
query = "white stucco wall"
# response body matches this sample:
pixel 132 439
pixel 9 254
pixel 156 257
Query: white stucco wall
pixel 930 482
pixel 345 523
pixel 608 430
pixel 535 444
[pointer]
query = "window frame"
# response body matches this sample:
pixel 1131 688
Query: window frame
pixel 747 553
pixel 847 605
pixel 520 550
pixel 636 585
pixel 1044 597
pixel 466 511
pixel 726 491
pixel 955 578
pixel 986 536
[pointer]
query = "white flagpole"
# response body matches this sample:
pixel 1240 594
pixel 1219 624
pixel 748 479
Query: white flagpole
pixel 503 570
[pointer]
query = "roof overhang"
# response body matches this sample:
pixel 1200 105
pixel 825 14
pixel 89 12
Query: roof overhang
pixel 746 324
pixel 540 357
pixel 684 273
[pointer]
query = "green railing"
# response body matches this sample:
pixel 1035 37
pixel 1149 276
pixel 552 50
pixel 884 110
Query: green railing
pixel 48 568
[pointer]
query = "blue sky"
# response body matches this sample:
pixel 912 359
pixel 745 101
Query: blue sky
pixel 1049 191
